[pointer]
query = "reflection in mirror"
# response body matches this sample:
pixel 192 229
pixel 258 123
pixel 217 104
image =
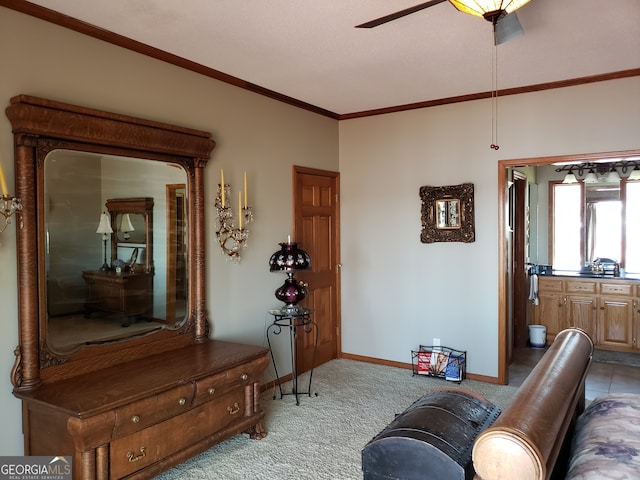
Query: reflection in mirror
pixel 448 213
pixel 130 228
pixel 603 222
pixel 87 306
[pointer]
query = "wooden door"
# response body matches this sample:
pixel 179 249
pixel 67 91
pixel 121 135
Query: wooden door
pixel 176 280
pixel 520 258
pixel 316 222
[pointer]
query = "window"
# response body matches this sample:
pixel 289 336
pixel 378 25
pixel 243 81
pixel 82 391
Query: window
pixel 587 223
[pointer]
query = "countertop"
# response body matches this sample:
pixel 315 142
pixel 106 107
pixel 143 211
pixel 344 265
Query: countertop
pixel 576 274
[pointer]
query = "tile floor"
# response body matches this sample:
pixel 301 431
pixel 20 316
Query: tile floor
pixel 602 377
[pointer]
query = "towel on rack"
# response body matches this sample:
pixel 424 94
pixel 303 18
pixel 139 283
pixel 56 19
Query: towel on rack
pixel 533 289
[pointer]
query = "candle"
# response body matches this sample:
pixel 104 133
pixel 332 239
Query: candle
pixel 222 186
pixel 288 238
pixel 3 183
pixel 245 190
pixel 240 209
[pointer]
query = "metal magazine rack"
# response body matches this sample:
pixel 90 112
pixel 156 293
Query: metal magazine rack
pixel 439 361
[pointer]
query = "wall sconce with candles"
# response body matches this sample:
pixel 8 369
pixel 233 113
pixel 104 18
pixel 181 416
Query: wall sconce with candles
pixel 601 172
pixel 231 238
pixel 8 204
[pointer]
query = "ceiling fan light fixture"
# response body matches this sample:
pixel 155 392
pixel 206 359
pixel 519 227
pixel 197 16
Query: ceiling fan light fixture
pixel 491 10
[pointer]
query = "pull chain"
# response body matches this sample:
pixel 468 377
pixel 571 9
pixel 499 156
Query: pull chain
pixel 494 94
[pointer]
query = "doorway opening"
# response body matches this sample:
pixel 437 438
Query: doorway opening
pixel 510 212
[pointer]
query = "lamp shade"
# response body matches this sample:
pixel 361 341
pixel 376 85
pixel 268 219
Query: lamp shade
pixel 289 258
pixel 125 225
pixel 635 174
pixel 488 9
pixel 591 177
pixel 570 178
pixel 104 226
pixel 613 176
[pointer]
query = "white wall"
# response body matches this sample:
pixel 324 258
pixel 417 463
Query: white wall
pixel 398 293
pixel 253 133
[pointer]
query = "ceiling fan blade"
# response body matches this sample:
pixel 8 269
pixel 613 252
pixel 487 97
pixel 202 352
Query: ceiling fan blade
pixel 400 14
pixel 506 28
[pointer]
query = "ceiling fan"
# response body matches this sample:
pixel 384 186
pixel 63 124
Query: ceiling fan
pixel 505 22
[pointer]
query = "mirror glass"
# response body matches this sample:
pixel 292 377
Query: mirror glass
pixel 130 228
pixel 603 222
pixel 448 213
pixel 77 186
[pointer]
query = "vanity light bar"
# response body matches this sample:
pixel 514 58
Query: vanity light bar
pixel 611 170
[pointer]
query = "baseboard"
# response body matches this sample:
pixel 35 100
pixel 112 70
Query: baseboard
pixel 409 366
pixel 378 361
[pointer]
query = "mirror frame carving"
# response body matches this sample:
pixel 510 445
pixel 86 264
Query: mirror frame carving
pixel 40 126
pixel 430 196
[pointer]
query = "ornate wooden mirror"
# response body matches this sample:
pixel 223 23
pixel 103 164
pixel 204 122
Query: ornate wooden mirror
pixel 447 213
pixel 72 164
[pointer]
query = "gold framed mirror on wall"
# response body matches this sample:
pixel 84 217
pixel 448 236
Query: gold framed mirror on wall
pixel 447 214
pixel 69 161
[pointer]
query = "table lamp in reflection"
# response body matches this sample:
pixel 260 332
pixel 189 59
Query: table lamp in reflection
pixel 126 227
pixel 290 259
pixel 104 228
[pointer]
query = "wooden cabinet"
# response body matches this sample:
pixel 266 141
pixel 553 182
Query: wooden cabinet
pixel 607 309
pixel 158 411
pixel 551 306
pixel 129 294
pixel 615 322
pixel 581 312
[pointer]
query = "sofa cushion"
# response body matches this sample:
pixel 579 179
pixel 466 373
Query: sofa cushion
pixel 606 444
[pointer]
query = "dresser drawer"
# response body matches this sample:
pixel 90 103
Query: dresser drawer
pixel 574 286
pixel 616 289
pixel 143 448
pixel 550 285
pixel 210 388
pixel 154 409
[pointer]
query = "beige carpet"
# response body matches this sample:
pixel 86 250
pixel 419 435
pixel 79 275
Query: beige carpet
pixel 322 438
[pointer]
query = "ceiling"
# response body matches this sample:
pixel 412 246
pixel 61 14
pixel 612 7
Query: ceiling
pixel 311 52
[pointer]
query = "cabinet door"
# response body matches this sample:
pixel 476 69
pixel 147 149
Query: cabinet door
pixel 615 322
pixel 582 313
pixel 636 322
pixel 550 313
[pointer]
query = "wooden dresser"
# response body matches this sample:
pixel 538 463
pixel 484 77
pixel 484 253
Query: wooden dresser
pixel 135 405
pixel 129 294
pixel 157 411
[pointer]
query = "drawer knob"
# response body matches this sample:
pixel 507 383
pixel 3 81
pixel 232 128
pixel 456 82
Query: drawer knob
pixel 244 376
pixel 135 419
pixel 211 390
pixel 233 410
pixel 182 401
pixel 134 458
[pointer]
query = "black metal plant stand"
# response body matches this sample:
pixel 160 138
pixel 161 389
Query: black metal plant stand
pixel 295 322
